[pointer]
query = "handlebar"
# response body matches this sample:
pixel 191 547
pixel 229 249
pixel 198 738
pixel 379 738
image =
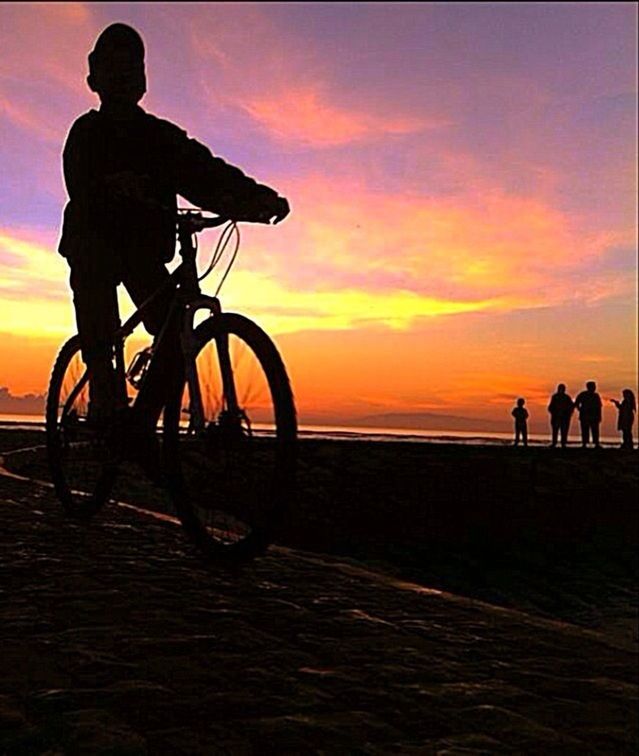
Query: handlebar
pixel 192 221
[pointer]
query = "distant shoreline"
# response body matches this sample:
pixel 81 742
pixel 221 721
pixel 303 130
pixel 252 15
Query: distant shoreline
pixel 348 433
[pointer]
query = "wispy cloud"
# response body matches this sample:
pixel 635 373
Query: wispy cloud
pixel 308 117
pixel 28 119
pixel 488 245
pixel 42 70
pixel 34 296
pixel 597 359
pixel 297 98
pixel 335 309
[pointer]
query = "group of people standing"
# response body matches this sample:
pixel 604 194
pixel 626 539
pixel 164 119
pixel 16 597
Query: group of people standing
pixel 590 407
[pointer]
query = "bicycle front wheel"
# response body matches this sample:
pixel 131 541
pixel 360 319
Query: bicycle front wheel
pixel 232 461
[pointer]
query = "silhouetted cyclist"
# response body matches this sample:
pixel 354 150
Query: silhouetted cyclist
pixel 123 169
pixel 588 403
pixel 561 408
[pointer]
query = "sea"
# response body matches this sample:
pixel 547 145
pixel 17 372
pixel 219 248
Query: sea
pixel 353 433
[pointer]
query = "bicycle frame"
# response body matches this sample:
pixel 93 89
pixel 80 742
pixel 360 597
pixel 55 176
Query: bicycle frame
pixel 190 299
pixel 230 482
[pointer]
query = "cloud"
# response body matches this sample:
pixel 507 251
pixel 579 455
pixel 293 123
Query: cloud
pixel 333 309
pixel 597 359
pixel 29 404
pixel 43 65
pixel 484 246
pixel 45 39
pixel 34 295
pixel 298 96
pixel 28 119
pixel 306 115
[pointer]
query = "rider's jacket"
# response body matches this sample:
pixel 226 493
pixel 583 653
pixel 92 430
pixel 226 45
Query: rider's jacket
pixel 122 177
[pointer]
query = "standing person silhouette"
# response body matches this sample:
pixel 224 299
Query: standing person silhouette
pixel 560 408
pixel 520 413
pixel 588 403
pixel 123 170
pixel 627 408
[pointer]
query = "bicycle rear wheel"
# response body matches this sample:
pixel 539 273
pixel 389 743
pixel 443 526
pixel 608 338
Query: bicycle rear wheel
pixel 232 478
pixel 79 462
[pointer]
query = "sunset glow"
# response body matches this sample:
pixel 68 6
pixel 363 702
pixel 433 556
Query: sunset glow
pixel 462 180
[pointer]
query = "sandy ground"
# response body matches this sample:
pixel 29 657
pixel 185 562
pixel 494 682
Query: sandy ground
pixel 553 533
pixel 117 639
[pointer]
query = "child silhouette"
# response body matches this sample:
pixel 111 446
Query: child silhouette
pixel 123 169
pixel 520 413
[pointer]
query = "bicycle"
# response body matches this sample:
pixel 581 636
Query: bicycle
pixel 229 471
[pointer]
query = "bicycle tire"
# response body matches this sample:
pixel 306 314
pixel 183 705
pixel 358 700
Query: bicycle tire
pixel 72 451
pixel 244 475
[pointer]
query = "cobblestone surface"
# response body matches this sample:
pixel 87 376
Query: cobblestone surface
pixel 115 638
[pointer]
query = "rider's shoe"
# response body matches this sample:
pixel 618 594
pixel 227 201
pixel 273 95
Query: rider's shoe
pixel 106 417
pixel 99 416
pixel 128 440
pixel 141 446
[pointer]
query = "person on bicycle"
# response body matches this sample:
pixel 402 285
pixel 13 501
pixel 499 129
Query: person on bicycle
pixel 123 170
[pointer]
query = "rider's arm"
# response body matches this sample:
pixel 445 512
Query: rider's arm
pixel 211 183
pixel 75 165
pixel 77 179
pixel 83 180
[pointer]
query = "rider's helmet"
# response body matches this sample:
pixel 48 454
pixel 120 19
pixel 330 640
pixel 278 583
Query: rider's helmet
pixel 116 65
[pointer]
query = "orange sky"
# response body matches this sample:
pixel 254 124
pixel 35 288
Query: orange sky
pixel 462 179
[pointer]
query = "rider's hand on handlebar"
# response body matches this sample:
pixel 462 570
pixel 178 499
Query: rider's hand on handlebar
pixel 282 209
pixel 265 209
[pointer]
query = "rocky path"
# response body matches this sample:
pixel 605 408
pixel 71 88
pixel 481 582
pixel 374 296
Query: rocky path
pixel 116 639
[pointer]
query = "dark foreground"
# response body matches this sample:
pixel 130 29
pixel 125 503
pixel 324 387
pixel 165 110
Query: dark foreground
pixel 116 639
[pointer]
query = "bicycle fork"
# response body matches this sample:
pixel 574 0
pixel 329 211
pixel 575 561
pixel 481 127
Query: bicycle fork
pixel 197 419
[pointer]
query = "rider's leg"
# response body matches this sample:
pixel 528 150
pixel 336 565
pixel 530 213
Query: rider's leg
pixel 166 373
pixel 96 310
